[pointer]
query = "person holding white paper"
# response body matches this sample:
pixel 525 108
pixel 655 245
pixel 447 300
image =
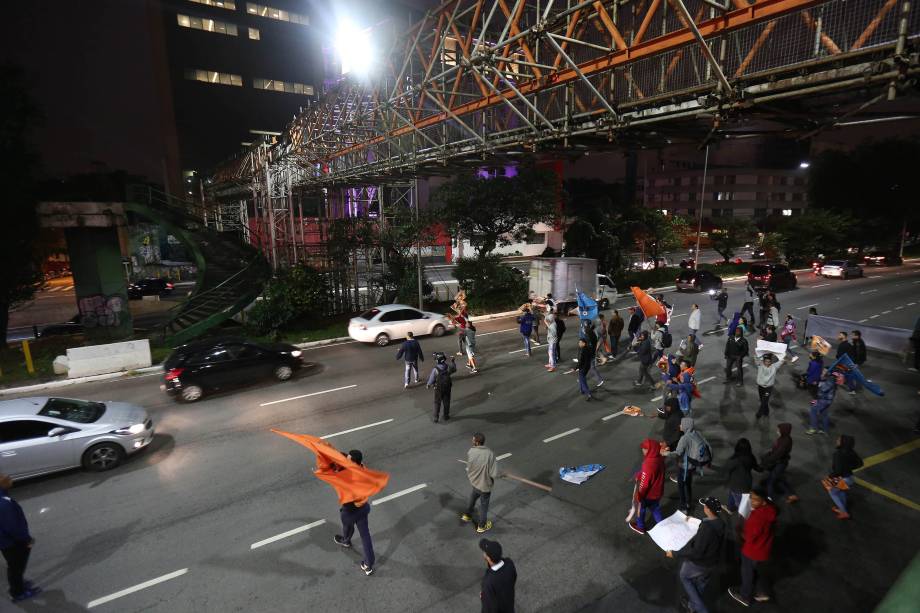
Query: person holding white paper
pixel 766 377
pixel 738 471
pixel 700 556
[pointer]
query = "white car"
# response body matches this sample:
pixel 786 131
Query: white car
pixel 383 323
pixel 843 269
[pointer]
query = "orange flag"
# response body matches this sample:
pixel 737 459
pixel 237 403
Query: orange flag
pixel 649 306
pixel 352 482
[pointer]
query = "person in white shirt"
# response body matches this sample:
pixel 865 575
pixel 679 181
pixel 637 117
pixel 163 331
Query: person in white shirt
pixel 695 320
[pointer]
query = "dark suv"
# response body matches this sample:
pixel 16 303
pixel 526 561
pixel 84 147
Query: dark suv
pixel 771 276
pixel 207 365
pixel 149 287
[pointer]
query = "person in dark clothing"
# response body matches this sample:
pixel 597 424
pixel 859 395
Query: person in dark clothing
pixel 354 514
pixel 701 556
pixel 915 341
pixel 442 383
pixel 643 348
pixel 671 415
pixel 615 331
pixel 636 317
pixel 526 322
pixel 806 340
pixel 736 349
pixel 560 330
pixel 411 352
pixel 819 421
pixel 769 334
pixel 497 592
pixel 845 461
pixel 844 346
pixel 721 299
pixel 585 361
pixel 775 463
pixel 15 543
pixel 813 373
pixel 748 306
pixel 738 472
pixel 859 348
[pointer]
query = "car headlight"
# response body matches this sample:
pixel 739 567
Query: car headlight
pixel 297 353
pixel 135 429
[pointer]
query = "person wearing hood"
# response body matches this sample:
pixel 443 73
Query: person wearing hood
pixel 736 349
pixel 684 386
pixel 526 323
pixel 776 461
pixel 551 340
pixel 700 556
pixel 649 484
pixel 693 453
pixel 738 472
pixel 845 461
pixel 657 338
pixel 813 373
pixel 689 349
pixel 442 383
pixel 615 331
pixel 643 348
pixel 635 322
pixel 820 406
pixel 859 348
pixel 695 320
pixel 757 537
pixel 672 417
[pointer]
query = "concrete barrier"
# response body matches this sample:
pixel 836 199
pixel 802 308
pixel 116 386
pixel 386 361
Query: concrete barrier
pixel 114 357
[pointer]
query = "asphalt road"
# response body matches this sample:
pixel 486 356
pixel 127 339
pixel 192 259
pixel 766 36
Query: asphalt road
pixel 174 529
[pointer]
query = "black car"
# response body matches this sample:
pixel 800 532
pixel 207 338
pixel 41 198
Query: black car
pixel 878 258
pixel 219 363
pixel 771 276
pixel 73 326
pixel 149 287
pixel 698 281
pixel 759 253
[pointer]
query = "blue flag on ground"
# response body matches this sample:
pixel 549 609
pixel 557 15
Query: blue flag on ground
pixel 587 307
pixel 851 372
pixel 579 474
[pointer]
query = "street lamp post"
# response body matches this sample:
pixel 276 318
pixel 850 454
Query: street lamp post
pixel 699 227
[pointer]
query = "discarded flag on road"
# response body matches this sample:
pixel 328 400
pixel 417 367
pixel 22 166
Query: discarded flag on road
pixel 650 307
pixel 587 307
pixel 352 482
pixel 579 474
pixel 851 372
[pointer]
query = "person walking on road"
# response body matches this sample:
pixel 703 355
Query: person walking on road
pixel 585 364
pixel 701 556
pixel 805 338
pixel 738 472
pixel 695 320
pixel 497 593
pixel 684 386
pixel 776 461
pixel 819 422
pixel 537 312
pixel 354 514
pixel 788 336
pixel 526 321
pixel 672 417
pixel 615 331
pixel 693 453
pixel 736 349
pixel 721 298
pixel 766 378
pixel 460 320
pixel 757 537
pixel 603 342
pixel 643 348
pixel 411 352
pixel 859 348
pixel 636 316
pixel 689 349
pixel 560 332
pixel 481 470
pixel 649 484
pixel 440 379
pixel 840 479
pixel 471 346
pixel 813 373
pixel 748 305
pixel 551 340
pixel 657 338
pixel 844 346
pixel 15 543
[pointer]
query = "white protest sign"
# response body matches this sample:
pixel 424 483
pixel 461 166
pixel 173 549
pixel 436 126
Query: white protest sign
pixel 777 349
pixel 744 508
pixel 674 532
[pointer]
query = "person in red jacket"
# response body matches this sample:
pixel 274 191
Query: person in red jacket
pixel 758 541
pixel 649 484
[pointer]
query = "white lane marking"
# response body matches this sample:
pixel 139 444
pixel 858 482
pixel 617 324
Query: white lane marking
pixel 532 345
pixel 409 490
pixel 898 308
pixel 911 303
pixel 868 291
pixel 873 276
pixel 679 315
pixel 503 456
pixel 885 312
pixel 705 380
pixel 136 588
pixel 806 306
pixel 335 389
pixel 862 320
pixel 284 535
pixel 872 316
pixel 618 413
pixel 566 433
pixel 496 332
pixel 376 423
pixel 821 285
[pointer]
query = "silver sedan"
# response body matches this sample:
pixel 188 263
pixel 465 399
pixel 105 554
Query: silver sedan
pixel 42 435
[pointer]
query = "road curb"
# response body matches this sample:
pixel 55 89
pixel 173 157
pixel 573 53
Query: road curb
pixel 47 385
pixel 327 341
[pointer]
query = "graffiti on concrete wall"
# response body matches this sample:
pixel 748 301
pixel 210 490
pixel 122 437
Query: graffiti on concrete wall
pixel 100 311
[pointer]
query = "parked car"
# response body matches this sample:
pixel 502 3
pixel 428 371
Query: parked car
pixel 878 258
pixel 649 263
pixel 771 276
pixel 383 323
pixel 759 253
pixel 72 326
pixel 149 287
pixel 698 281
pixel 203 366
pixel 843 269
pixel 42 435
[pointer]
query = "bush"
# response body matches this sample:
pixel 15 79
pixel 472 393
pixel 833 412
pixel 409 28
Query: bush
pixel 294 293
pixel 490 286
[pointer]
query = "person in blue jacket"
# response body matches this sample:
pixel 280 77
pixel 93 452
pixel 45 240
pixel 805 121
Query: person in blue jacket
pixel 15 543
pixel 526 322
pixel 813 374
pixel 411 352
pixel 683 385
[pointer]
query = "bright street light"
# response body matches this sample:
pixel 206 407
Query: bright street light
pixel 353 47
pixel 804 164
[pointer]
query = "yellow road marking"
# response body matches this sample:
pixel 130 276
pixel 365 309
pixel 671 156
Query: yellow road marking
pixel 910 504
pixel 890 454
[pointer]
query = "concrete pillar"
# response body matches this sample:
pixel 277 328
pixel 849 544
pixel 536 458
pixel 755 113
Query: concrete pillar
pixel 99 282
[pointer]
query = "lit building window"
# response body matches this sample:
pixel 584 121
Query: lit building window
pixel 283 86
pixel 787 212
pixel 216 78
pixel 254 34
pixel 273 13
pixel 208 25
pixel 223 4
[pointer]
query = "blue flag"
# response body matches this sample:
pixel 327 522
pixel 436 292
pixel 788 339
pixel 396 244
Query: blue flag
pixel 587 307
pixel 851 372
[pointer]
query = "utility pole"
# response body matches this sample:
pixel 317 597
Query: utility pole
pixel 699 227
pixel 418 247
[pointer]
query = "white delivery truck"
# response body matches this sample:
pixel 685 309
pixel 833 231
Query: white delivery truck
pixel 562 276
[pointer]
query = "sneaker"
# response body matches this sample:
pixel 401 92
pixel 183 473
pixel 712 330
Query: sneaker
pixel 811 431
pixel 673 478
pixel 367 569
pixel 792 499
pixel 822 432
pixel 551 369
pixel 416 381
pixel 474 370
pixel 589 398
pixel 26 594
pixel 434 420
pixel 599 383
pixel 636 528
pixel 484 527
pixel 405 386
pixel 739 384
pixel 466 517
pixel 761 598
pixel 852 392
pixel 734 593
pixel 340 540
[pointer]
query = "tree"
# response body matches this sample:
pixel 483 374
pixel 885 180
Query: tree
pixel 297 292
pixel 656 233
pixel 489 284
pixel 404 231
pixel 814 232
pixel 730 234
pixel 489 212
pixel 21 262
pixel 596 227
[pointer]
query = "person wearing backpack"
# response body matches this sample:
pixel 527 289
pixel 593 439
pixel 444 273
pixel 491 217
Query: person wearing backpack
pixel 657 339
pixel 693 453
pixel 526 322
pixel 738 472
pixel 684 386
pixel 775 463
pixel 846 460
pixel 441 381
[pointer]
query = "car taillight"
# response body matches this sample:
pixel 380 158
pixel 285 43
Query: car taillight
pixel 169 286
pixel 174 373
